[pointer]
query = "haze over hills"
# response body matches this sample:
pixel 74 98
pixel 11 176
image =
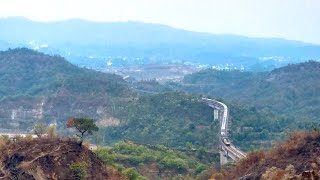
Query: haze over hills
pixel 118 44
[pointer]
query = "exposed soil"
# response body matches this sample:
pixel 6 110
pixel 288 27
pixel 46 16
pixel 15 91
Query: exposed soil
pixel 297 158
pixel 50 159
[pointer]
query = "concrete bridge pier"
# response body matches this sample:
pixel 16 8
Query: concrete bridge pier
pixel 216 114
pixel 223 157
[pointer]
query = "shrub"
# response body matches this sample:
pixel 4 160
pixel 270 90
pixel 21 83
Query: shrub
pixel 119 167
pixel 52 131
pixel 277 173
pixel 28 137
pixel 17 138
pixel 39 129
pixel 131 173
pixel 4 137
pixel 79 170
pixel 200 168
pixel 136 159
pixel 172 162
pixel 106 156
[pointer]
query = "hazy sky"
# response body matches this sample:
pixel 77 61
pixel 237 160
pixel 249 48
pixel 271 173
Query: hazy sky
pixel 290 19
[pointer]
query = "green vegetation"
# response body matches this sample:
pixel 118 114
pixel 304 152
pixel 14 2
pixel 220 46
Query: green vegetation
pixel 39 129
pixel 292 91
pixel 32 82
pixel 61 90
pixel 268 105
pixel 79 170
pixel 251 129
pixel 151 161
pixel 172 119
pixel 52 131
pixel 264 106
pixel 132 174
pixel 4 137
pixel 37 74
pixel 83 126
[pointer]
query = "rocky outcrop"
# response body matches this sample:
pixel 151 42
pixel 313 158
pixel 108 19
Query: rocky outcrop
pixel 21 114
pixel 51 159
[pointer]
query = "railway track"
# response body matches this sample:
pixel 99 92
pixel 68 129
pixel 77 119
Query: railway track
pixel 227 145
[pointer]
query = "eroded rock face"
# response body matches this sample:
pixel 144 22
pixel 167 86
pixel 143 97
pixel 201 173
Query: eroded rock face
pixel 20 114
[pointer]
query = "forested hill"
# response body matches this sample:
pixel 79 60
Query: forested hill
pixel 37 87
pixel 27 72
pixel 293 90
pixel 40 88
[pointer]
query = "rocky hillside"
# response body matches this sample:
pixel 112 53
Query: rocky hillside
pixel 51 159
pixel 35 86
pixel 297 158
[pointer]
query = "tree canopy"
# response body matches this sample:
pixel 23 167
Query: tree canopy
pixel 84 127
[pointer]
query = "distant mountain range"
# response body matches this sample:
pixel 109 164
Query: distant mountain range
pixel 104 45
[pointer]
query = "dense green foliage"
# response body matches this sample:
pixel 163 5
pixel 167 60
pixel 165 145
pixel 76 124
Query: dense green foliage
pixel 25 72
pixel 148 160
pixel 292 91
pixel 251 129
pixel 59 90
pixel 275 102
pixel 35 86
pixel 172 119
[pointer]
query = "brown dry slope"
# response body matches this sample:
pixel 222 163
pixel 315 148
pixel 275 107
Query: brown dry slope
pixel 50 159
pixel 297 158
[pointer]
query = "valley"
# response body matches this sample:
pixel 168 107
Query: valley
pixel 155 101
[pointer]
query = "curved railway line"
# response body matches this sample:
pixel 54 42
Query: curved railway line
pixel 225 144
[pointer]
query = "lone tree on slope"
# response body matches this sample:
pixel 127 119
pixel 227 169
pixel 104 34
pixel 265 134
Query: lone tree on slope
pixel 39 129
pixel 84 127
